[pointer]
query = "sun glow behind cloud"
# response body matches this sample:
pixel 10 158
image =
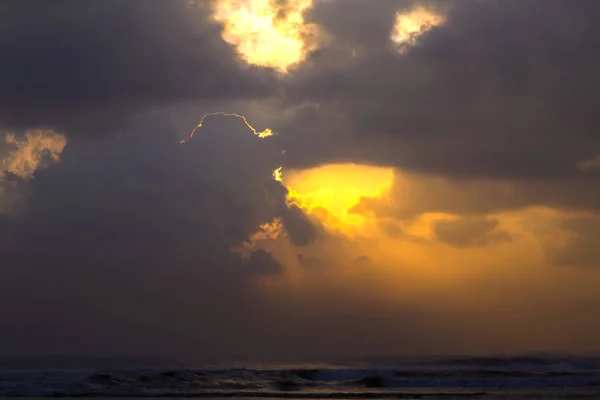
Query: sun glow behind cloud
pixel 267 33
pixel 412 24
pixel 399 249
pixel 329 192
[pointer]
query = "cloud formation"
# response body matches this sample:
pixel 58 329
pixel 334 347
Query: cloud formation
pixel 85 67
pixel 127 242
pixel 480 152
pixel 501 89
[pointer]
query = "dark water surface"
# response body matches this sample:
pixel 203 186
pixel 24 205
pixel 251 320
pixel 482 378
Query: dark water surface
pixel 457 378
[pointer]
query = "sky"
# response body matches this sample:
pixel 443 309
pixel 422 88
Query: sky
pixel 303 180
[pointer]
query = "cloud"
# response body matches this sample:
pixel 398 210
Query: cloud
pixel 36 150
pixel 84 68
pixel 501 90
pixel 309 261
pixel 299 227
pixel 465 232
pixel 414 194
pixel 391 228
pixel 125 245
pixel 268 33
pixel 122 244
pixel 124 248
pixel 20 157
pixel 262 262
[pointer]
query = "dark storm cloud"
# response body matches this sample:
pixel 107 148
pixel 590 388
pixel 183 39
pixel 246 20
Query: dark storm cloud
pixel 125 245
pixel 503 89
pixel 470 231
pixel 84 66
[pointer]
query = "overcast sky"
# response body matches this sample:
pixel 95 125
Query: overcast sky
pixel 439 189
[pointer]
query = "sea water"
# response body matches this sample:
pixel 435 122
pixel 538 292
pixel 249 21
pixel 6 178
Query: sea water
pixel 441 378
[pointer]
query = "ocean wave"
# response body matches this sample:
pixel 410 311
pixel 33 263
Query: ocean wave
pixel 275 395
pixel 325 382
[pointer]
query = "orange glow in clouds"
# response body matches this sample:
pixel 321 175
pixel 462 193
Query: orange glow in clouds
pixel 327 193
pixel 269 231
pixel 267 33
pixel 412 24
pixel 330 191
pixel 278 174
pixel 31 150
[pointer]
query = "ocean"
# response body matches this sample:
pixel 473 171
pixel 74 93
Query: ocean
pixel 441 378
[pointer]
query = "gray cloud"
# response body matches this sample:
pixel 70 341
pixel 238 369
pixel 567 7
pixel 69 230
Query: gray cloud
pixel 123 248
pixel 84 67
pixel 504 89
pixel 298 226
pixel 125 245
pixel 262 262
